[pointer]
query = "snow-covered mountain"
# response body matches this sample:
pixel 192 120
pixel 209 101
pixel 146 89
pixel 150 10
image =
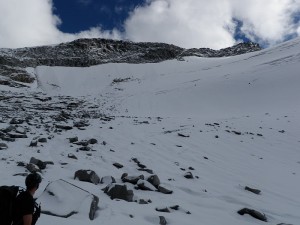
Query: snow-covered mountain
pixel 221 134
pixel 89 52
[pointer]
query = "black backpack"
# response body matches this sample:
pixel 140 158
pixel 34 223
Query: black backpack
pixel 8 195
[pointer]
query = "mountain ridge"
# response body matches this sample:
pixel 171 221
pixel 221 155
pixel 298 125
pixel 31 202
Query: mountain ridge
pixel 90 52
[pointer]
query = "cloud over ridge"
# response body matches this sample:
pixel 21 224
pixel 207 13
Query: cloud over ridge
pixel 188 23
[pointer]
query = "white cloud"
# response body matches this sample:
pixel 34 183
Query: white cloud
pixel 187 23
pixel 269 21
pixel 32 23
pixel 202 23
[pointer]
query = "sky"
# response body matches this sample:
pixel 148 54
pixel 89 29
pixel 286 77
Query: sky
pixel 190 23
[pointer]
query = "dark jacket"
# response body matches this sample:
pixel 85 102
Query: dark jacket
pixel 24 205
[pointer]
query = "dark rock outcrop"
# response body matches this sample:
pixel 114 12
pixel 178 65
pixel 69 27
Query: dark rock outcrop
pixel 89 52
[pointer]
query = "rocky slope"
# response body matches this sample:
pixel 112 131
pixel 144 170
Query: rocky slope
pixel 89 52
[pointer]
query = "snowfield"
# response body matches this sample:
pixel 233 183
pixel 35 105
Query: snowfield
pixel 232 122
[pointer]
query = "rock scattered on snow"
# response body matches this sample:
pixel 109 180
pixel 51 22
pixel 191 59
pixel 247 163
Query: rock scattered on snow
pixel 188 175
pixel 131 179
pixel 118 165
pixel 255 191
pixel 253 213
pixel 93 141
pixel 162 220
pixel 119 191
pixel 41 165
pixel 183 135
pixel 72 156
pixel 3 146
pixel 154 180
pixel 145 185
pixel 73 139
pixel 165 209
pixel 32 168
pixel 42 140
pixel 164 190
pixel 87 176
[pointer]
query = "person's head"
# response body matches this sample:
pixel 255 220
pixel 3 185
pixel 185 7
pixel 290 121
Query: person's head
pixel 33 181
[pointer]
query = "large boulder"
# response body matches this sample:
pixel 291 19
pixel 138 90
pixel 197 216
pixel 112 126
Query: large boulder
pixel 63 199
pixel 87 176
pixel 32 168
pixel 119 191
pixel 42 165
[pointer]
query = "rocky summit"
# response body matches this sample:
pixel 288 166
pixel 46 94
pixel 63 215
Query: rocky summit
pixel 89 52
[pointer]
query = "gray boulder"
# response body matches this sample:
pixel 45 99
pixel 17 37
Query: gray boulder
pixel 118 165
pixel 72 156
pixel 42 140
pixel 63 199
pixel 253 213
pixel 20 130
pixel 16 135
pixel 85 148
pixel 87 176
pixel 73 139
pixel 162 220
pixel 255 191
pixel 145 185
pixel 42 165
pixel 154 180
pixel 16 121
pixel 188 175
pixel 32 168
pixel 3 146
pixel 64 127
pixel 93 141
pixel 132 179
pixel 164 190
pixel 119 191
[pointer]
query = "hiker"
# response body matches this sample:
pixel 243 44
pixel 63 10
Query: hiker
pixel 26 211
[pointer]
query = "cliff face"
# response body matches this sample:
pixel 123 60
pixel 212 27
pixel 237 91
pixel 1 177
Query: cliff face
pixel 89 52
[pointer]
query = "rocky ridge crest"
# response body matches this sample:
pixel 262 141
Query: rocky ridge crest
pixel 89 52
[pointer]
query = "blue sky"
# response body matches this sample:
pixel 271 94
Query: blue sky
pixel 79 15
pixel 186 23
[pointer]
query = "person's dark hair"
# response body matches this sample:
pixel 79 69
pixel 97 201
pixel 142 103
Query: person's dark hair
pixel 33 180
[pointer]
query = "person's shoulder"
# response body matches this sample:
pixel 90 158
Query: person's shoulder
pixel 25 195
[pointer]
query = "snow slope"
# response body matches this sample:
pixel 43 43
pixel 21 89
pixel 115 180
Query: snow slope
pixel 251 83
pixel 239 117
